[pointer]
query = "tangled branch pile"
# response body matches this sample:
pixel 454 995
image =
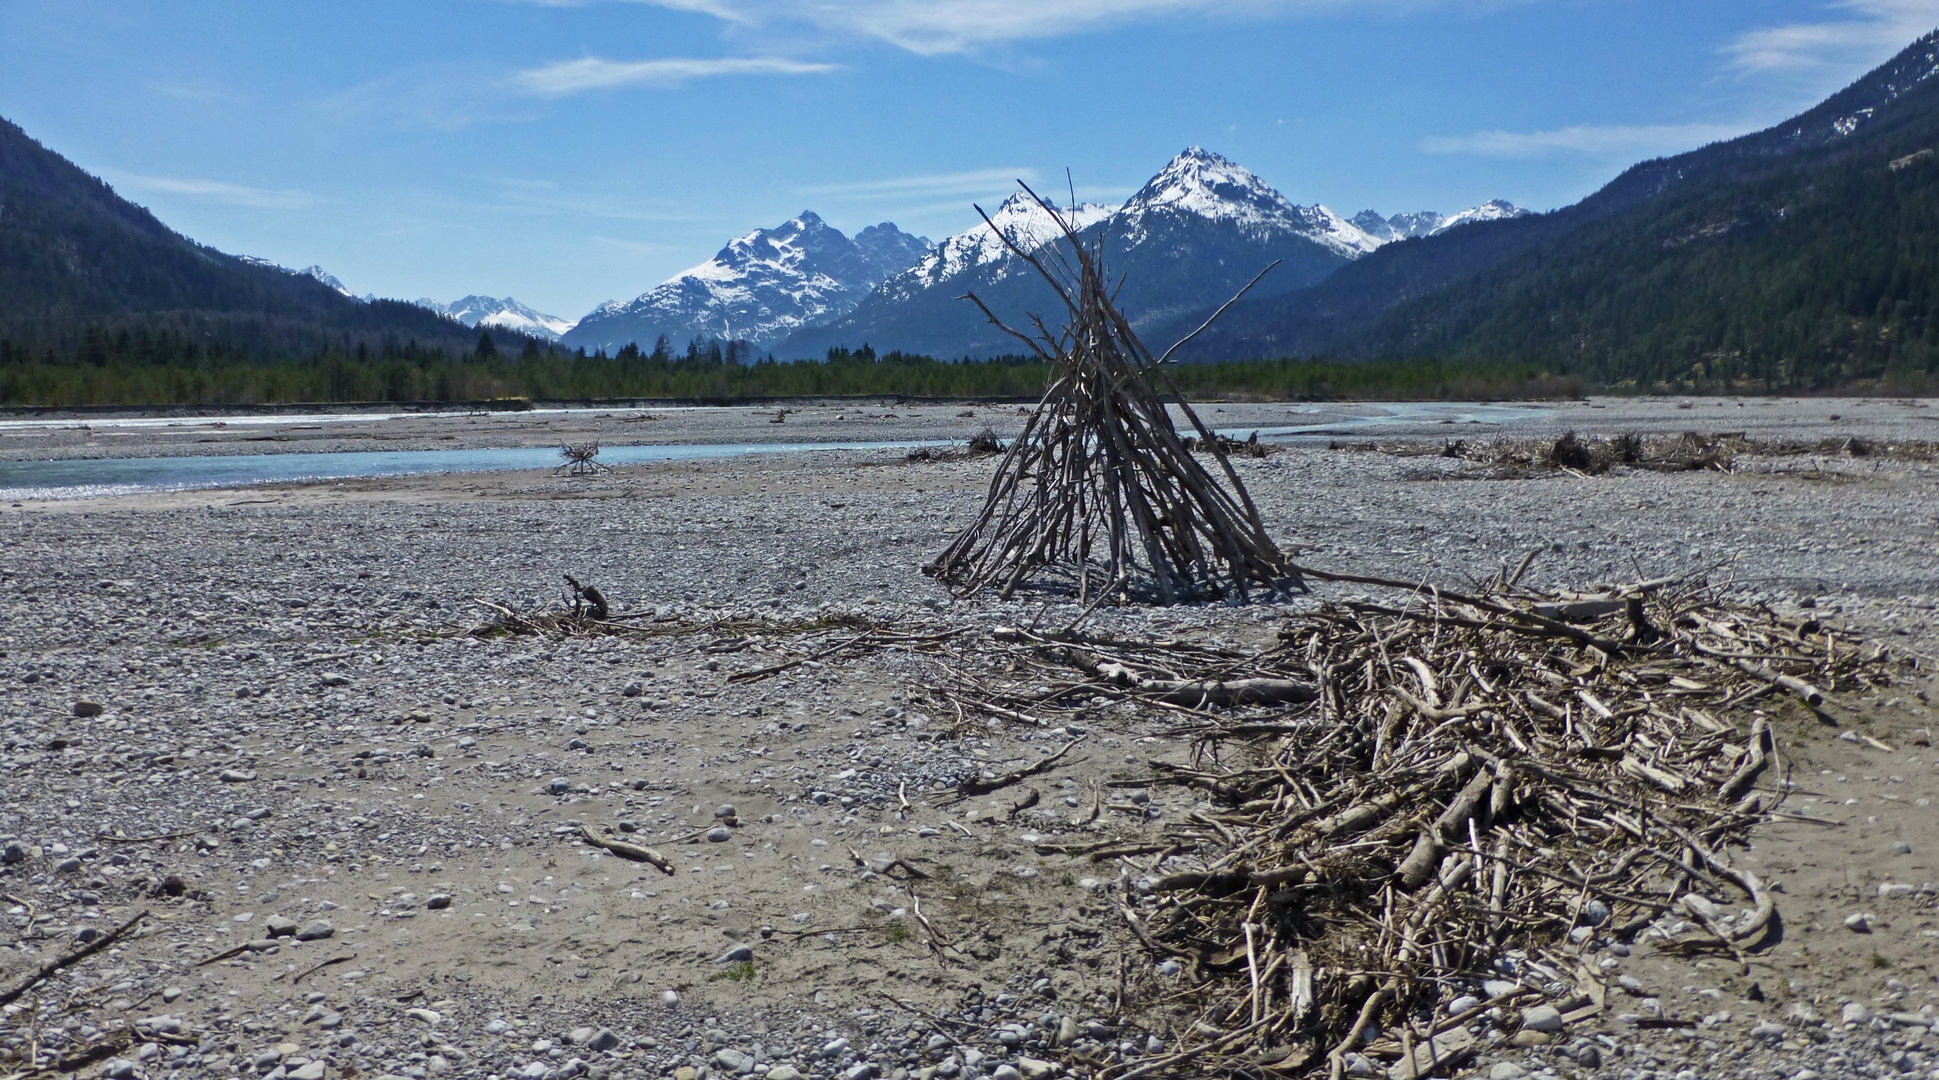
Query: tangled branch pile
pixel 1100 484
pixel 1407 799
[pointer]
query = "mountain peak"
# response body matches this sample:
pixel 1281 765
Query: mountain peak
pixel 506 314
pixel 759 287
pixel 1199 181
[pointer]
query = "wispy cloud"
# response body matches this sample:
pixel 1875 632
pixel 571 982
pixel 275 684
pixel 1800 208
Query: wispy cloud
pixel 592 73
pixel 1584 139
pixel 440 96
pixel 938 27
pixel 1855 35
pixel 217 191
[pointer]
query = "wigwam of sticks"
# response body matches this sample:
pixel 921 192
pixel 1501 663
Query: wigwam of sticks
pixel 1100 486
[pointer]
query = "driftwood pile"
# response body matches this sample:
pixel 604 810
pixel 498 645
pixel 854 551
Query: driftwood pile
pixel 1409 799
pixel 580 460
pixel 1100 486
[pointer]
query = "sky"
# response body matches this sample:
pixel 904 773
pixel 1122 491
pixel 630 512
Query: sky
pixel 570 152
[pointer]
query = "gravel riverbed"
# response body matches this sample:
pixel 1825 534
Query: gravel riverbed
pixel 252 713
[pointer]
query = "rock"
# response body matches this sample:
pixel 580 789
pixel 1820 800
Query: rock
pixel 316 931
pixel 579 1036
pixel 118 1068
pixel 1890 889
pixel 719 834
pixel 1462 1004
pixel 1855 1013
pixel 1035 1069
pixel 784 1072
pixel 725 811
pixel 1358 1065
pixel 424 1016
pixel 734 1061
pixel 171 994
pixel 311 1071
pixel 739 954
pixel 1494 988
pixel 1588 1055
pixel 669 998
pixel 235 776
pixel 686 1072
pixel 1909 1020
pixel 863 1070
pixel 1506 1070
pixel 1804 1014
pixel 278 926
pixel 1005 1072
pixel 1860 923
pixel 601 1041
pixel 1529 1037
pixel 317 1012
pixel 1544 1018
pixel 438 902
pixel 559 786
pixel 1770 1032
pixel 1595 913
pixel 85 708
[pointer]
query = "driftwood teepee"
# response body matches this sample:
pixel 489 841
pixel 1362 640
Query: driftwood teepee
pixel 1100 486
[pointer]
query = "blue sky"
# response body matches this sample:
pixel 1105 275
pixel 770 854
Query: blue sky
pixel 568 152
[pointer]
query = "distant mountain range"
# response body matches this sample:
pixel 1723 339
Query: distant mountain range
pixel 1197 231
pixel 1192 235
pixel 506 314
pixel 1797 256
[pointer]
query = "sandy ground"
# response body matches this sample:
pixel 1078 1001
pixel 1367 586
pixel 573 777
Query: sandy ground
pixel 298 634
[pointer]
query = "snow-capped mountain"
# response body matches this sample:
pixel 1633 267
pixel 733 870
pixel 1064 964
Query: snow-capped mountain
pixel 758 288
pixel 1192 235
pixel 507 314
pixel 317 272
pixel 1201 185
pixel 1386 230
pixel 1019 217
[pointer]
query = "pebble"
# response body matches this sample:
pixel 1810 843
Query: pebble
pixel 739 954
pixel 1855 1013
pixel 1506 1070
pixel 719 834
pixel 317 931
pixel 1860 923
pixel 235 776
pixel 1544 1018
pixel 84 709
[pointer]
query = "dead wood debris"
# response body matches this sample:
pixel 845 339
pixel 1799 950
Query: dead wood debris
pixel 1691 451
pixel 1470 779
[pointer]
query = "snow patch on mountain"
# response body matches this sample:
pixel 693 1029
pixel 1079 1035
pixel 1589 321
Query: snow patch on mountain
pixel 317 272
pixel 1201 184
pixel 1020 218
pixel 758 288
pixel 1387 230
pixel 506 314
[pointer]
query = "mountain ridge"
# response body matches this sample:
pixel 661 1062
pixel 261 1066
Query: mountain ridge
pixel 757 288
pixel 1545 288
pixel 1200 228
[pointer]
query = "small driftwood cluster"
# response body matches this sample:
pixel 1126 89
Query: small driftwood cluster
pixel 580 460
pixel 1100 486
pixel 1410 799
